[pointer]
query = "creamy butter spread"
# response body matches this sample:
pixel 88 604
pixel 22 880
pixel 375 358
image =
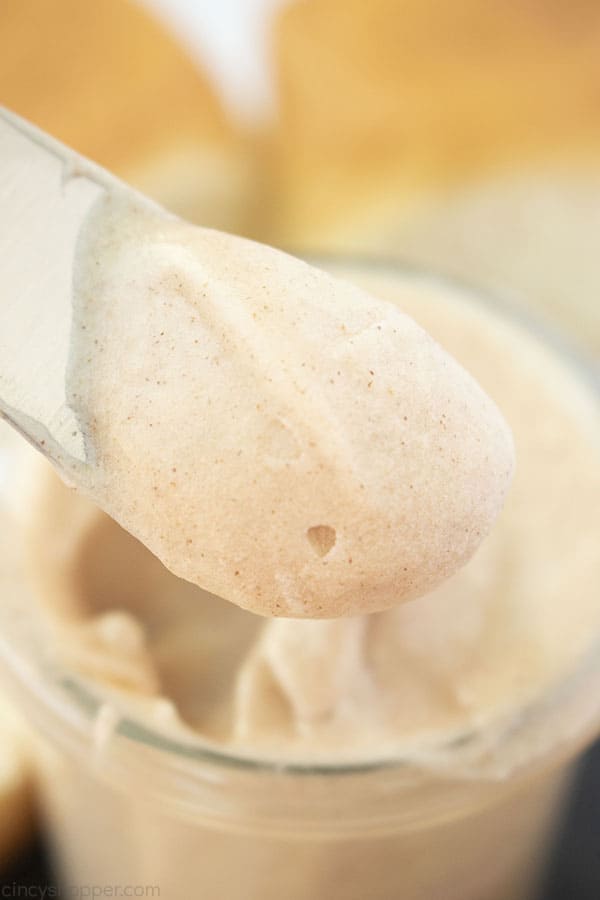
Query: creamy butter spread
pixel 274 434
pixel 474 651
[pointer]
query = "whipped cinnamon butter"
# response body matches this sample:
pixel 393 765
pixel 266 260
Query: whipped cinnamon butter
pixel 466 657
pixel 274 434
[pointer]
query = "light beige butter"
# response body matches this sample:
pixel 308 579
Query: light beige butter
pixel 274 434
pixel 466 658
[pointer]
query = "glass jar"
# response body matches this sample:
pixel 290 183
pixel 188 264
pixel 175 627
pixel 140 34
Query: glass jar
pixel 129 809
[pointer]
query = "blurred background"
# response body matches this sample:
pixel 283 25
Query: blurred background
pixel 463 135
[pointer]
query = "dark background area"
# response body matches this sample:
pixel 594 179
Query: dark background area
pixel 573 873
pixel 574 870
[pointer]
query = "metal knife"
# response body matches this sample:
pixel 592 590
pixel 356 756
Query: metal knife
pixel 46 193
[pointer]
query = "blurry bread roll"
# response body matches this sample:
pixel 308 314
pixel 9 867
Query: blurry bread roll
pixel 108 80
pixel 465 135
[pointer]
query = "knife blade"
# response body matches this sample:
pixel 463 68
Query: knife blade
pixel 46 193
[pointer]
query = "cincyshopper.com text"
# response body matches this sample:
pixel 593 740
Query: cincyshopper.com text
pixel 16 891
